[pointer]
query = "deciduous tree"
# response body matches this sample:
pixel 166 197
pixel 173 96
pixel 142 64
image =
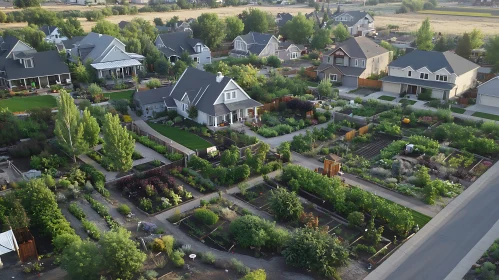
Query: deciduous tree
pixel 118 144
pixel 285 205
pixel 82 260
pixel 299 29
pixel 106 27
pixel 341 33
pixel 210 29
pixel 424 36
pixel 26 3
pixel 321 38
pixel 325 88
pixel 162 66
pixel 463 48
pixel 257 20
pixel 492 53
pixel 235 27
pixel 476 38
pixel 71 27
pixel 91 129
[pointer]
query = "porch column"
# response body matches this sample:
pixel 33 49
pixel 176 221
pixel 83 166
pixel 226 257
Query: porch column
pixel 10 84
pixel 224 117
pixel 122 73
pixel 59 76
pixel 100 74
pixel 24 82
pixel 39 83
pixel 255 112
pixel 231 116
pixel 135 70
pixel 215 121
pixel 48 82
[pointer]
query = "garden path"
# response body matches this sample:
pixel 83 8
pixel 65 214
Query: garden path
pixel 148 154
pixel 110 175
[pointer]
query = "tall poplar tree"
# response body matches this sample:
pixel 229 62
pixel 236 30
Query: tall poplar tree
pixel 424 36
pixel 91 128
pixel 118 144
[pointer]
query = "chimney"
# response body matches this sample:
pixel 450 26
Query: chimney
pixel 100 35
pixel 219 77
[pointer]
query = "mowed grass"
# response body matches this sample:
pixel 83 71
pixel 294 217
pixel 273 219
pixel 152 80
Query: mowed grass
pixel 407 101
pixel 22 104
pixel 457 110
pixel 126 94
pixel 486 116
pixel 454 13
pixel 387 98
pixel 184 138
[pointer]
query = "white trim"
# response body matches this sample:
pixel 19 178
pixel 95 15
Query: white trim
pixel 178 81
pixel 159 37
pixel 408 68
pixel 335 50
pixel 333 75
pixel 16 46
pixel 110 51
pixel 201 95
pixel 223 91
pixel 422 69
pixel 269 43
pixel 444 70
pixel 37 77
pixel 183 96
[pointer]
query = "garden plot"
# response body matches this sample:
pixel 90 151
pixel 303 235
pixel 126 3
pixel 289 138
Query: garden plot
pixel 419 121
pixel 372 148
pixel 366 109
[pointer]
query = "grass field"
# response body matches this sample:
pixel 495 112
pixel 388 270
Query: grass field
pixel 454 13
pixel 126 94
pixel 486 116
pixel 184 138
pixel 387 98
pixel 407 101
pixel 457 110
pixel 22 104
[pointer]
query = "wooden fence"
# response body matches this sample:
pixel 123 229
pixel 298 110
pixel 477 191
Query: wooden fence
pixel 370 83
pixel 350 135
pixel 271 106
pixel 310 72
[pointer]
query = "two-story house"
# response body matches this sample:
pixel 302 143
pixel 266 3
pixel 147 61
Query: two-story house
pixel 445 73
pixel 259 44
pixel 358 23
pixel 52 34
pixel 357 57
pixel 173 45
pixel 282 18
pixel 215 98
pixel 107 55
pixel 21 66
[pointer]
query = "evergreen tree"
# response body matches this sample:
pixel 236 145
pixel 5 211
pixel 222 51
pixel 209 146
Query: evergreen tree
pixel 91 129
pixel 118 144
pixel 424 36
pixel 463 48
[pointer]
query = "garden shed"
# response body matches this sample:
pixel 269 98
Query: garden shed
pixel 8 243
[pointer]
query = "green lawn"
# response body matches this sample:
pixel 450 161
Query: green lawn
pixel 486 116
pixel 387 98
pixel 457 110
pixel 311 84
pixel 407 101
pixel 184 138
pixel 22 104
pixel 126 94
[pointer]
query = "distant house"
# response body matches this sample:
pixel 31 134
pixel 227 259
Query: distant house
pixel 86 2
pixel 488 93
pixel 68 44
pixel 23 66
pixel 358 23
pixel 180 26
pixel 52 34
pixel 172 45
pixel 259 44
pixel 446 74
pixel 107 56
pixel 289 51
pixel 122 24
pixel 217 99
pixel 357 57
pixel 282 18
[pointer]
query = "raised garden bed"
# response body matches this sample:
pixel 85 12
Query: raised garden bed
pixel 367 108
pixel 194 179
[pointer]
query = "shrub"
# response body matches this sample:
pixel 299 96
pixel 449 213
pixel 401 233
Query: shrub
pixel 153 83
pixel 206 216
pixel 157 245
pixel 239 266
pixel 91 229
pixel 208 257
pixel 177 258
pixel 124 209
pixel 355 219
pixel 76 211
pixel 168 241
pixel 258 274
pixel 145 204
pixel 285 205
pixel 267 132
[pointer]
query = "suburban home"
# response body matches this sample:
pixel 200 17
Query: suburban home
pixel 107 55
pixel 181 26
pixel 68 44
pixel 289 51
pixel 488 93
pixel 259 44
pixel 357 57
pixel 86 2
pixel 445 73
pixel 52 34
pixel 358 23
pixel 23 66
pixel 282 18
pixel 154 101
pixel 172 45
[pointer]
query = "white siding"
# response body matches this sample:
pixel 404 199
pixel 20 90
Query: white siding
pixel 115 54
pixel 466 81
pixel 391 87
pixel 231 86
pixel 488 100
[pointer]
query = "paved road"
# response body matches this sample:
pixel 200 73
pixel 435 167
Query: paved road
pixel 442 244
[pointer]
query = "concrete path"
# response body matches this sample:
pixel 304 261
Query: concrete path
pixel 148 154
pixel 452 240
pixel 110 175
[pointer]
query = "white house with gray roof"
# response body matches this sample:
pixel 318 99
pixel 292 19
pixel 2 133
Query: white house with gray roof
pixel 259 44
pixel 53 34
pixel 172 45
pixel 107 55
pixel 358 23
pixel 445 73
pixel 357 57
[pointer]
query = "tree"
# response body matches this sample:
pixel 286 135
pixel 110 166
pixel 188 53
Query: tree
pixel 17 217
pixel 444 43
pixel 299 29
pixel 118 144
pixel 71 27
pixel 476 38
pixel 256 20
pixel 355 219
pixel 373 234
pixel 325 88
pixel 3 17
pixel 91 129
pixel 158 22
pixel 139 27
pixel 284 150
pixel 68 128
pixel 424 36
pixel 492 53
pixel 321 38
pixel 210 29
pixel 340 33
pixel 31 35
pixel 234 26
pixel 162 66
pixel 106 27
pixel 26 3
pixel 463 48
pixel 315 250
pixel 82 260
pixel 120 254
pixel 133 45
pixel 258 274
pixel 285 205
pixel 179 68
pixel 230 157
pixel 80 72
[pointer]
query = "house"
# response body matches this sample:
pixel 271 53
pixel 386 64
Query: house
pixel 180 26
pixel 172 45
pixel 314 16
pixel 358 23
pixel 357 57
pixel 216 99
pixel 107 56
pixel 68 44
pixel 52 34
pixel 86 2
pixel 289 51
pixel 282 18
pixel 445 73
pixel 259 44
pixel 488 93
pixel 23 66
pixel 122 24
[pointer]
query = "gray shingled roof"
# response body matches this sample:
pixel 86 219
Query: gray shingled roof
pixel 256 41
pixel 155 96
pixel 44 64
pixel 435 61
pixel 284 17
pixel 47 29
pixel 356 15
pixel 351 71
pixel 69 43
pixel 418 82
pixel 178 42
pixel 285 45
pixel 94 47
pixel 323 66
pixel 360 47
pixel 7 43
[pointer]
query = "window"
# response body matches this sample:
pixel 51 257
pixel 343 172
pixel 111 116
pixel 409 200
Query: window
pixel 238 45
pixel 339 61
pixel 28 63
pixel 356 62
pixel 423 76
pixel 363 63
pixel 409 74
pixel 328 59
pixel 198 49
pixel 333 77
pixel 234 95
pixel 184 107
pixel 227 95
pixel 230 95
pixel 294 55
pixel 196 59
pixel 442 78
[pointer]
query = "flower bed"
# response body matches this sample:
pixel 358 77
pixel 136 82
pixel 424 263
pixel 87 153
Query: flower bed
pixel 97 179
pixel 194 179
pixel 102 211
pixel 156 191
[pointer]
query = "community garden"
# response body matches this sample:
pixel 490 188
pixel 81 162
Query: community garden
pixel 486 266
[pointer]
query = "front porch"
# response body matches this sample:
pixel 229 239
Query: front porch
pixel 233 118
pixel 117 69
pixel 37 82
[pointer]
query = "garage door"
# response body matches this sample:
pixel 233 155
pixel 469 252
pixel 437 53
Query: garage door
pixel 488 100
pixel 349 81
pixel 391 87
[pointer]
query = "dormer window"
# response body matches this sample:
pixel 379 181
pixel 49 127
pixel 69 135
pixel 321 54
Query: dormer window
pixel 198 48
pixel 28 63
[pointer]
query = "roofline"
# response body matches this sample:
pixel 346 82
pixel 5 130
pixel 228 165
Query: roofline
pixel 337 48
pixel 179 78
pixel 495 78
pixel 37 76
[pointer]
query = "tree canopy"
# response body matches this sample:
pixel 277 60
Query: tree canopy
pixel 476 38
pixel 257 20
pixel 424 36
pixel 299 29
pixel 341 33
pixel 71 27
pixel 235 27
pixel 492 53
pixel 106 27
pixel 210 29
pixel 118 144
pixel 463 48
pixel 321 38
